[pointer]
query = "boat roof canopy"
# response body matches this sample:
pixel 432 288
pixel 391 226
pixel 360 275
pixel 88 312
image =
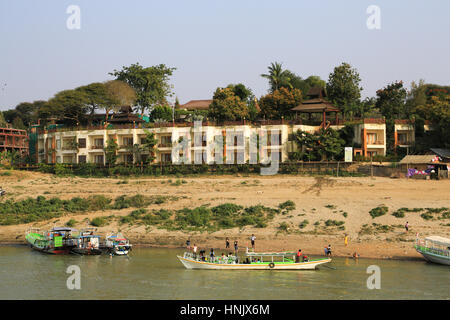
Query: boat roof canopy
pixel 64 229
pixel 439 240
pixel 269 254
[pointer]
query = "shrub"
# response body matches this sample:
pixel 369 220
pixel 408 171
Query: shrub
pixel 98 222
pixel 330 223
pixel 288 205
pixel 303 224
pixel 378 211
pixel 71 223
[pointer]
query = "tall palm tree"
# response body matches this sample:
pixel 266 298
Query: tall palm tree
pixel 277 76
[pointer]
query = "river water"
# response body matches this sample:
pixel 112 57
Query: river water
pixel 152 273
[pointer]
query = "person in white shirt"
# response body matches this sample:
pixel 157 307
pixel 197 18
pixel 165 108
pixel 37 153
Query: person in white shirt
pixel 252 239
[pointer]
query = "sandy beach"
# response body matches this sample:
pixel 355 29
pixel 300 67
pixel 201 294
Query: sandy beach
pixel 317 199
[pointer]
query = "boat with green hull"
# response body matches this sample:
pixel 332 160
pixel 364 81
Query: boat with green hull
pixel 435 249
pixel 55 241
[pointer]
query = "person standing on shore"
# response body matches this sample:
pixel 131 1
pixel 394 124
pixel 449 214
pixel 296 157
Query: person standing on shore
pixel 346 240
pixel 252 239
pixel 195 251
pixel 329 250
pixel 188 244
pixel 236 247
pixel 227 243
pixel 406 226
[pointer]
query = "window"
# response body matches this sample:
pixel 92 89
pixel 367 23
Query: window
pixel 99 158
pixel 200 139
pixel 82 143
pixel 98 143
pixel 274 134
pixel 166 141
pixel 199 157
pixel 58 159
pixel 166 157
pixel 371 138
pixel 82 159
pixel 58 144
pixel 128 158
pixel 127 141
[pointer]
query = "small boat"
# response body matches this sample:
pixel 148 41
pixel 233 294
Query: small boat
pixel 117 244
pixel 254 261
pixel 434 249
pixel 55 241
pixel 87 243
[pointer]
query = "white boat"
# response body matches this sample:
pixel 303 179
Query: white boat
pixel 254 261
pixel 117 244
pixel 435 249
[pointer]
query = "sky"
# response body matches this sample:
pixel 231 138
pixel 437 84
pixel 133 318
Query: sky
pixel 213 43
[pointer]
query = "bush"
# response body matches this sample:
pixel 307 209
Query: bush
pixel 330 223
pixel 303 224
pixel 71 223
pixel 98 222
pixel 288 205
pixel 378 211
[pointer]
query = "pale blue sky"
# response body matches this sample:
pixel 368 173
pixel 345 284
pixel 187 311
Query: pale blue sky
pixel 214 42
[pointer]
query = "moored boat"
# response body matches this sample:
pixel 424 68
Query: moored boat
pixel 87 243
pixel 254 261
pixel 117 244
pixel 434 249
pixel 55 241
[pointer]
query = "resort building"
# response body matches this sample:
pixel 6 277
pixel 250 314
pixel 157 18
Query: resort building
pixel 404 134
pixel 199 143
pixel 371 135
pixel 13 140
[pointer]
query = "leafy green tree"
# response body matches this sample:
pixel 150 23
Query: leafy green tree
pixel 279 103
pixel 277 77
pixel 151 84
pixel 149 144
pixel 327 144
pixel 391 100
pixel 111 152
pixel 2 120
pixel 96 97
pixel 227 106
pixel 18 123
pixel 164 113
pixel 343 87
pixel 70 105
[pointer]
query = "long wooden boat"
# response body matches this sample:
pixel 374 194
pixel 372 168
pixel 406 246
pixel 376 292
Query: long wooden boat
pixel 264 261
pixel 434 249
pixel 117 244
pixel 55 241
pixel 87 243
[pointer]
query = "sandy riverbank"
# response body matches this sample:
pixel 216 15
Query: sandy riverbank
pixel 316 199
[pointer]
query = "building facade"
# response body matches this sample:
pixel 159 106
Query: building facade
pixel 199 143
pixel 13 140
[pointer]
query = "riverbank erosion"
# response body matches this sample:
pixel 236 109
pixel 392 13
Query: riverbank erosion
pixel 291 212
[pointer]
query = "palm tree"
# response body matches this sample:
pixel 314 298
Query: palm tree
pixel 277 76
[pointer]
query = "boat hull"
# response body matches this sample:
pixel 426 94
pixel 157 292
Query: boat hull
pixel 87 252
pixel 435 258
pixel 193 264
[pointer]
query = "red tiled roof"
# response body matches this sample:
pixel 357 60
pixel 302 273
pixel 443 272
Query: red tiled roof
pixel 196 105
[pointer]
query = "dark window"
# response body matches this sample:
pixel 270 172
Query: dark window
pixel 82 143
pixel 82 159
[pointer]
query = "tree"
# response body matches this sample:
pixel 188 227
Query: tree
pixel 2 120
pixel 18 123
pixel 70 105
pixel 391 100
pixel 118 94
pixel 323 145
pixel 162 113
pixel 277 76
pixel 96 97
pixel 151 84
pixel 111 152
pixel 227 106
pixel 279 103
pixel 148 144
pixel 343 87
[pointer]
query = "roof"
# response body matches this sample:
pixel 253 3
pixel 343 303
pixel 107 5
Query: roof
pixel 316 92
pixel 444 153
pixel 63 229
pixel 316 105
pixel 418 159
pixel 196 105
pixel 440 240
